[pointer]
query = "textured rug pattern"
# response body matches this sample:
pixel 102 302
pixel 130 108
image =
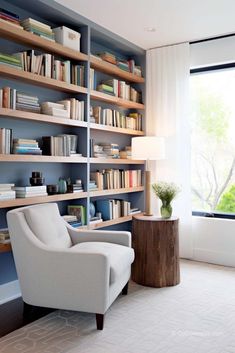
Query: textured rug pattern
pixel 197 316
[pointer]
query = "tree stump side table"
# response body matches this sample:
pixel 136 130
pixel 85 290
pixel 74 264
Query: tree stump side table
pixel 156 244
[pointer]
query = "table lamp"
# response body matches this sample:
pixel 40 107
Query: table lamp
pixel 148 148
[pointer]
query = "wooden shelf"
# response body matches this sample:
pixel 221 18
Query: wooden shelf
pixel 119 130
pixel 103 97
pixel 19 114
pixel 115 191
pixel 10 32
pixel 40 159
pixel 39 80
pixel 108 223
pixel 42 199
pixel 5 247
pixel 111 69
pixel 115 161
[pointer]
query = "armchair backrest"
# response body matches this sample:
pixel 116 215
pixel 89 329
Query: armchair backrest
pixel 47 225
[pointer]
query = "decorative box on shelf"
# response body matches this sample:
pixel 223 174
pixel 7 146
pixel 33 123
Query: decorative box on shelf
pixel 67 37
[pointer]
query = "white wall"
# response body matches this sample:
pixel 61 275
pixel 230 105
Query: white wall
pixel 214 238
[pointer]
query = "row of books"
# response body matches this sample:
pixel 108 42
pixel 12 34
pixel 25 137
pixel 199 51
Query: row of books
pixel 115 118
pixel 5 140
pixel 26 146
pixel 45 65
pixel 10 18
pixel 120 89
pixel 68 108
pixel 12 99
pixel 104 150
pixel 116 178
pixel 113 209
pixel 61 145
pixel 126 65
pixel 38 28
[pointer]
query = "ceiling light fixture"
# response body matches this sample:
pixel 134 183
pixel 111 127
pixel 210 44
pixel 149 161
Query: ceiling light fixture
pixel 150 29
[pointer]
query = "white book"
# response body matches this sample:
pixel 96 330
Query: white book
pixel 57 105
pixel 22 196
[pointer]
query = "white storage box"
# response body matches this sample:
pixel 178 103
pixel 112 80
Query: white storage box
pixel 67 37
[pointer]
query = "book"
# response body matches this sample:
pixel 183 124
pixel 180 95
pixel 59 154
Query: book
pixel 79 211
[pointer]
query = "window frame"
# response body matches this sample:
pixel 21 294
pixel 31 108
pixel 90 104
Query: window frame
pixel 220 215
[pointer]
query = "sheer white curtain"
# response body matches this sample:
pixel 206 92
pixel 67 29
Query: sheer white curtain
pixel 167 113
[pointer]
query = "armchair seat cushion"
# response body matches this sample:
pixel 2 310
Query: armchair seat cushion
pixel 120 257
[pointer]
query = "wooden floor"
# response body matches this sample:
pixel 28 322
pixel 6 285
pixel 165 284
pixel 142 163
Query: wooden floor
pixel 12 318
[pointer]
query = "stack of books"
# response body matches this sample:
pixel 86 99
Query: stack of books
pixel 115 118
pixel 77 186
pixel 120 89
pixel 30 191
pixel 5 141
pixel 123 65
pixel 12 99
pixel 56 109
pixel 72 220
pixel 7 192
pixel 109 57
pixel 68 108
pixel 10 17
pixel 105 150
pixel 4 236
pixel 116 178
pixel 126 153
pixel 113 209
pixel 26 102
pixel 26 146
pixel 61 145
pixel 106 88
pixel 92 185
pixel 11 60
pixel 38 28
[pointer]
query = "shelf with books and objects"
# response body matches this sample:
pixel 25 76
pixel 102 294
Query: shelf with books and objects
pixel 126 70
pixel 64 189
pixel 38 80
pixel 14 33
pixel 115 121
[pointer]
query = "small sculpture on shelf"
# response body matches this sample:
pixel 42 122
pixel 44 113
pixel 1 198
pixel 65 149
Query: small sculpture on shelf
pixel 36 179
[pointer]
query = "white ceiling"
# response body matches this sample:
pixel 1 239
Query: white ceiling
pixel 175 20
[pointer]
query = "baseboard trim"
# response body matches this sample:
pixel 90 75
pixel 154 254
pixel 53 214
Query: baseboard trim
pixel 9 291
pixel 214 257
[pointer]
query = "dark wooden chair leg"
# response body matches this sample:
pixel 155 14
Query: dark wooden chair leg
pixel 100 321
pixel 125 290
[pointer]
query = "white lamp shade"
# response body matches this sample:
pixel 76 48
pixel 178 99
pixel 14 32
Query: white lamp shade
pixel 148 148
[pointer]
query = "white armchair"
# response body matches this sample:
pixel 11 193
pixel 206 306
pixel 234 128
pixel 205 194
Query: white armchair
pixel 64 268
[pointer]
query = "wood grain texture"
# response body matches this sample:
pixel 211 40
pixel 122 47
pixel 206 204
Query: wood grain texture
pixel 156 245
pixel 40 159
pixel 39 80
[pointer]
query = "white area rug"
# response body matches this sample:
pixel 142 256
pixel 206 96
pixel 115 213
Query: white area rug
pixel 197 316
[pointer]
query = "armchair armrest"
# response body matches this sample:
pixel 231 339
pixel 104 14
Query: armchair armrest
pixel 116 237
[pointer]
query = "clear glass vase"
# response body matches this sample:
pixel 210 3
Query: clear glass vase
pixel 166 210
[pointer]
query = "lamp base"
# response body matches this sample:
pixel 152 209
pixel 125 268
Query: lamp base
pixel 148 214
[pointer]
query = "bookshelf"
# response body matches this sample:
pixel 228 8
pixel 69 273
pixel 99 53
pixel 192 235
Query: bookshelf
pixel 34 125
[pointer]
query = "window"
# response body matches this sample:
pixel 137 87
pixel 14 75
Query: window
pixel 213 142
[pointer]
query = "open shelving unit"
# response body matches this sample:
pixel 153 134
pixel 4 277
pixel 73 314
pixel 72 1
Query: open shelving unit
pixel 93 39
